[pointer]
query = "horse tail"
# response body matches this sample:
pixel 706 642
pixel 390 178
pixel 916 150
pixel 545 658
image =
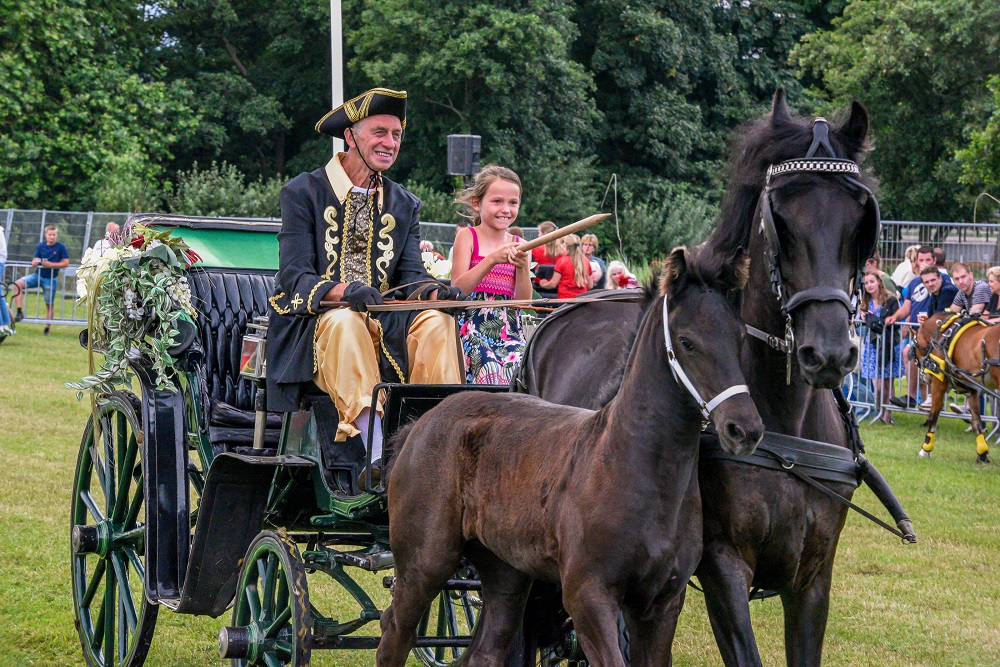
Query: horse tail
pixel 393 446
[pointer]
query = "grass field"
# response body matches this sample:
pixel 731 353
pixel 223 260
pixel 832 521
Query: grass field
pixel 934 603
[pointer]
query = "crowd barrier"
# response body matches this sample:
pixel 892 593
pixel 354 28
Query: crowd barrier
pixel 864 393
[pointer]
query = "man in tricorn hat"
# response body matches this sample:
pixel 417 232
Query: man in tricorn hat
pixel 349 234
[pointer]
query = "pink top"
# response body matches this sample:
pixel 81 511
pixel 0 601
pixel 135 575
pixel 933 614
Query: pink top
pixel 500 279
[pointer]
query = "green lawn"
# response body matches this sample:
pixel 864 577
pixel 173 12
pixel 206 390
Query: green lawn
pixel 934 603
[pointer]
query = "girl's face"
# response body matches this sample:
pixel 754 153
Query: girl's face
pixel 561 247
pixel 994 283
pixel 498 207
pixel 871 284
pixel 614 273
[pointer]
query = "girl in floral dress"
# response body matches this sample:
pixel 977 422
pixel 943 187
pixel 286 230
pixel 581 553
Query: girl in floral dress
pixel 488 266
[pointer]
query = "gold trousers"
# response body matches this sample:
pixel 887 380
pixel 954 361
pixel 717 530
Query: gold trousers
pixel 347 349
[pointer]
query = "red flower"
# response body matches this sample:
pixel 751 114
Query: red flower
pixel 137 241
pixel 191 256
pixel 623 280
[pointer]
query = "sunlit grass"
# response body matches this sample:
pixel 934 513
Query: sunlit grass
pixel 934 603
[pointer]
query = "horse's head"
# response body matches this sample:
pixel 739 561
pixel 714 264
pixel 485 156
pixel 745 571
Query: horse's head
pixel 818 222
pixel 705 334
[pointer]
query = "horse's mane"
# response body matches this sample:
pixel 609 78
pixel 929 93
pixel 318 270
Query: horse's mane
pixel 704 266
pixel 757 145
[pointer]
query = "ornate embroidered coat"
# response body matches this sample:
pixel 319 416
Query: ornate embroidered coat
pixel 312 259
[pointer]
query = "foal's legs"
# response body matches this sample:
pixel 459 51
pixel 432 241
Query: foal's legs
pixel 726 579
pixel 982 449
pixel 594 610
pixel 805 620
pixel 505 591
pixel 652 636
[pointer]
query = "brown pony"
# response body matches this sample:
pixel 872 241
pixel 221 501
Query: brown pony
pixel 606 503
pixel 973 362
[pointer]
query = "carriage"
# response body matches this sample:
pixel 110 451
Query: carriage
pixel 201 502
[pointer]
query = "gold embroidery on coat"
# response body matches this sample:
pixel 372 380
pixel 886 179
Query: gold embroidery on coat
pixel 296 301
pixel 331 240
pixel 274 304
pixel 312 293
pixel 386 246
pixel 356 251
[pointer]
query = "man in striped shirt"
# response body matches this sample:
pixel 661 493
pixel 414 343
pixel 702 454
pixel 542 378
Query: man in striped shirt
pixel 973 295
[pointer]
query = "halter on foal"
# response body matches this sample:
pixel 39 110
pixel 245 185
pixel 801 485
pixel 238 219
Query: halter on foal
pixel 605 503
pixel 964 353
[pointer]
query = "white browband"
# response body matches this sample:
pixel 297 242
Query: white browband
pixel 681 376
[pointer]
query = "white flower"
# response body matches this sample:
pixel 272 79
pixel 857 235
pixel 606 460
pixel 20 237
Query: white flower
pixel 441 270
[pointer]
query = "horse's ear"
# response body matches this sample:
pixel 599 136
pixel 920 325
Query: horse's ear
pixel 855 128
pixel 779 107
pixel 674 272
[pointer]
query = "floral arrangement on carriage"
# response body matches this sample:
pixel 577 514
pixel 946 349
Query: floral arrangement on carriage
pixel 436 265
pixel 136 292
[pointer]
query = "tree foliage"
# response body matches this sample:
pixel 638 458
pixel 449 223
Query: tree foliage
pixel 921 68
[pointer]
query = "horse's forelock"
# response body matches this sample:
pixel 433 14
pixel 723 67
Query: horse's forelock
pixel 703 266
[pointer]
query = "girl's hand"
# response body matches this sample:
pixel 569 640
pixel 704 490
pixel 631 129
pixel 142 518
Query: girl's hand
pixel 501 255
pixel 518 258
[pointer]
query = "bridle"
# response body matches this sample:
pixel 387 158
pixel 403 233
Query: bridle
pixel 681 377
pixel 871 225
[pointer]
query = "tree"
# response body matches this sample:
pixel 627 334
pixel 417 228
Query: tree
pixel 500 70
pixel 980 159
pixel 75 95
pixel 920 66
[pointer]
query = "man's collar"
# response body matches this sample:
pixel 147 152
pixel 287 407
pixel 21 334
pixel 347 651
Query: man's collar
pixel 341 182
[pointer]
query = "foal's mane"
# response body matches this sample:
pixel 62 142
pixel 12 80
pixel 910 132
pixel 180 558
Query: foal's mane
pixel 757 145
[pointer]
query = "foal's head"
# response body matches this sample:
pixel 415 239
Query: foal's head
pixel 706 334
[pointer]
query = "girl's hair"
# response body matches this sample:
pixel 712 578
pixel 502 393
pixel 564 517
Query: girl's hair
pixel 480 184
pixel 612 265
pixel 883 294
pixel 575 253
pixel 552 247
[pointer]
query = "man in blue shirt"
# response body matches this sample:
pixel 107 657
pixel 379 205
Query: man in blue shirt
pixel 50 256
pixel 916 300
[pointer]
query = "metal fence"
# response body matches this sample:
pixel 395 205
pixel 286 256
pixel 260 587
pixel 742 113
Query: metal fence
pixel 25 229
pixel 883 362
pixel 976 245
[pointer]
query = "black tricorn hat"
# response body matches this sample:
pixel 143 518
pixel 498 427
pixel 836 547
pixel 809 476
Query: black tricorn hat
pixel 371 103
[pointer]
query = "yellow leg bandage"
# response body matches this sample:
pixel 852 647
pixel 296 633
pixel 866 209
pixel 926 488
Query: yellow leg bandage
pixel 928 442
pixel 981 446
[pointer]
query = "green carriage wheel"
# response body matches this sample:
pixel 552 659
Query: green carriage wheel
pixel 272 621
pixel 114 620
pixel 452 614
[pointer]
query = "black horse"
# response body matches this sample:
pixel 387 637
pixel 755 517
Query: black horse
pixel 808 232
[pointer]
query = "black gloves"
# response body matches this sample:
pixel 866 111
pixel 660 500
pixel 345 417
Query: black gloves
pixel 359 296
pixel 446 293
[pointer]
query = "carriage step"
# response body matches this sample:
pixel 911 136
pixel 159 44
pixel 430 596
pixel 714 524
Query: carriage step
pixel 373 562
pixel 450 585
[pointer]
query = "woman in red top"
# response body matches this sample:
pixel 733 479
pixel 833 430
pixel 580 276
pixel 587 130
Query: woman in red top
pixel 572 273
pixel 545 258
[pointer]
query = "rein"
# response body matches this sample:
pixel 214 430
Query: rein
pixel 682 377
pixel 822 165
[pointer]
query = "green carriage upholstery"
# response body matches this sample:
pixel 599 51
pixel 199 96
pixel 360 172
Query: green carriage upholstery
pixel 226 300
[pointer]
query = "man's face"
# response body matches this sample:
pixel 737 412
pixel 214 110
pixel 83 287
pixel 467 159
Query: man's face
pixel 377 140
pixel 51 235
pixel 932 281
pixel 963 279
pixel 925 260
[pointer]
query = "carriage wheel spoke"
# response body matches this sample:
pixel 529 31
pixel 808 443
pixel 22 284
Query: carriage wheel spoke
pixel 109 616
pixel 253 601
pixel 135 505
pixel 271 660
pixel 99 466
pixel 133 558
pixel 272 630
pixel 442 624
pixel 95 581
pixel 127 603
pixel 270 574
pixel 110 478
pixel 91 505
pixel 125 479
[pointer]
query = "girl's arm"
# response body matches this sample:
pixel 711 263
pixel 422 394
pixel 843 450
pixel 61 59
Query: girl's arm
pixel 522 274
pixel 552 282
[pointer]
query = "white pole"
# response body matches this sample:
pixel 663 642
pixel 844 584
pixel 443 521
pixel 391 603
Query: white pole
pixel 337 62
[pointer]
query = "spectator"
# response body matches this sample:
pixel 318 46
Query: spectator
pixel 427 246
pixel 992 310
pixel 973 295
pixel 881 361
pixel 939 261
pixel 597 268
pixel 571 276
pixel 6 328
pixel 106 243
pixel 489 267
pixel 916 299
pixel 459 226
pixel 514 230
pixel 873 264
pixel 942 294
pixel 906 270
pixel 50 256
pixel 545 258
pixel 619 276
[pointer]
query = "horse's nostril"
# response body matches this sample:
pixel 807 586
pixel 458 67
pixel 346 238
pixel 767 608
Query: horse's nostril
pixel 808 357
pixel 852 358
pixel 734 431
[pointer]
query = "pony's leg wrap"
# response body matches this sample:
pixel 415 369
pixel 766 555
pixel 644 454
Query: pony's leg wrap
pixel 981 446
pixel 928 442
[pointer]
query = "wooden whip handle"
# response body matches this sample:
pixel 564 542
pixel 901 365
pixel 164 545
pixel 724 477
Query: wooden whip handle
pixel 559 233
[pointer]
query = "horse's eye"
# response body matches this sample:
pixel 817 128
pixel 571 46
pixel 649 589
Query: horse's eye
pixel 686 344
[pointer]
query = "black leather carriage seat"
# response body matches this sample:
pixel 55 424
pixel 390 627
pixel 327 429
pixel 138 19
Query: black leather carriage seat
pixel 226 300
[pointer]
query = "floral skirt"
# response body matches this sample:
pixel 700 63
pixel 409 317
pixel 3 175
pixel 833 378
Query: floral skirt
pixel 889 366
pixel 493 340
